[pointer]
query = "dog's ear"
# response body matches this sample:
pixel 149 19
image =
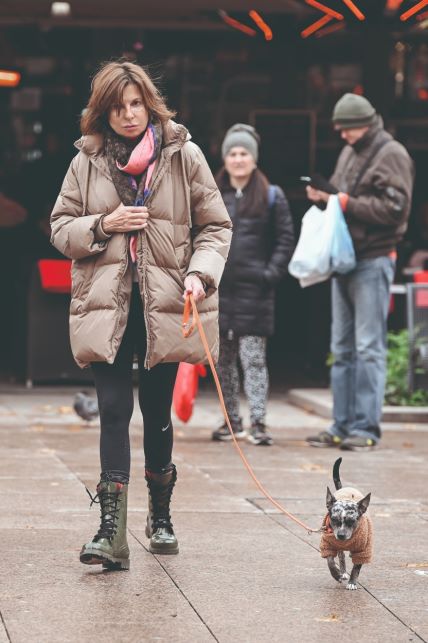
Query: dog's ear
pixel 363 504
pixel 330 499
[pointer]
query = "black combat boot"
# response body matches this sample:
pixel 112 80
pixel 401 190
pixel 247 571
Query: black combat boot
pixel 159 526
pixel 109 546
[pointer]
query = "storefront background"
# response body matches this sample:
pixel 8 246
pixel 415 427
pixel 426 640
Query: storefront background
pixel 213 76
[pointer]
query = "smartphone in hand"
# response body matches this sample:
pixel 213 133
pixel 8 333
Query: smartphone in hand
pixel 318 182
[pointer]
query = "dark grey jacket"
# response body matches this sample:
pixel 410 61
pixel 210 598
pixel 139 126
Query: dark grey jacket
pixel 259 254
pixel 380 199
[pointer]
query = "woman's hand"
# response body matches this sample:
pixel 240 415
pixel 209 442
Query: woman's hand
pixel 193 285
pixel 316 195
pixel 126 218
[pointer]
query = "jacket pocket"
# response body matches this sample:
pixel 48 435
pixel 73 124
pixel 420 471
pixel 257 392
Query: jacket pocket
pixel 82 271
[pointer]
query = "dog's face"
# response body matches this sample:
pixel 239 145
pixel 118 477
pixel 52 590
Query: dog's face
pixel 344 515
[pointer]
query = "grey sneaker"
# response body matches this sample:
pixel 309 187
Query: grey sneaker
pixel 222 434
pixel 324 440
pixel 358 443
pixel 259 436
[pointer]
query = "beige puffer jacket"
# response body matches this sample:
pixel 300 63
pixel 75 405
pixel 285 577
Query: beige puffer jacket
pixel 189 230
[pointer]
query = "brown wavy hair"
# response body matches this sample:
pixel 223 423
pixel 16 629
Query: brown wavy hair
pixel 107 90
pixel 255 200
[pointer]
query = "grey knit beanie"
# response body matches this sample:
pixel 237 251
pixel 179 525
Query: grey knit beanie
pixel 353 111
pixel 241 135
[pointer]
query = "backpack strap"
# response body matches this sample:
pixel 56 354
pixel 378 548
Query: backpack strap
pixel 271 196
pixel 365 167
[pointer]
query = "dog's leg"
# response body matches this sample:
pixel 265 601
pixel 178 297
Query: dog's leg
pixel 354 577
pixel 334 570
pixel 342 564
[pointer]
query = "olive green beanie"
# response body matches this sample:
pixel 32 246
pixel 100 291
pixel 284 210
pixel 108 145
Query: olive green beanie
pixel 353 111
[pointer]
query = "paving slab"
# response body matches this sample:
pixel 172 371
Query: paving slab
pixel 3 633
pixel 396 578
pixel 51 597
pixel 277 588
pixel 244 572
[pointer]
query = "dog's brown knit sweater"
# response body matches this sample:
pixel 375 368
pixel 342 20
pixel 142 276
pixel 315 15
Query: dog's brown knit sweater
pixel 361 544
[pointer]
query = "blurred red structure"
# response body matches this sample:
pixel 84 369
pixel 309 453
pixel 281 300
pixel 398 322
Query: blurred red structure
pixel 421 296
pixel 186 388
pixel 55 275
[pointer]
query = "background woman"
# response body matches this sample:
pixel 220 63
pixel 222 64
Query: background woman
pixel 261 248
pixel 142 218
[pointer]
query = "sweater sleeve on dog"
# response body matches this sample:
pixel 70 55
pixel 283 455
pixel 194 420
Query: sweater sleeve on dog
pixel 362 551
pixel 327 547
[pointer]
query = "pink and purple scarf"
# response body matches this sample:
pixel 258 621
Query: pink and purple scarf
pixel 131 165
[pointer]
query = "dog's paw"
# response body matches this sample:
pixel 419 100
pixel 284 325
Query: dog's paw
pixel 344 577
pixel 351 586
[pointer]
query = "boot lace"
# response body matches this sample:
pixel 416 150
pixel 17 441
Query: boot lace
pixel 161 497
pixel 108 502
pixel 162 522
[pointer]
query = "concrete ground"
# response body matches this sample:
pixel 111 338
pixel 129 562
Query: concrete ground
pixel 244 572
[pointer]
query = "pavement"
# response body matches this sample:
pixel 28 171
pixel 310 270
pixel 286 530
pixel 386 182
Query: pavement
pixel 245 573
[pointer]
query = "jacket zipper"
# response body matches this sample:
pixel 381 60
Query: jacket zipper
pixel 230 332
pixel 142 281
pixel 143 286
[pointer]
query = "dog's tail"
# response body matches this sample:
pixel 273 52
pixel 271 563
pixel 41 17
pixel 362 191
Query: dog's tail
pixel 336 475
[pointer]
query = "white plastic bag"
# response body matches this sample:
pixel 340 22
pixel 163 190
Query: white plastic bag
pixel 324 245
pixel 310 262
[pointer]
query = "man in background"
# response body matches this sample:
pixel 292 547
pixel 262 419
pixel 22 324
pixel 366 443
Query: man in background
pixel 374 175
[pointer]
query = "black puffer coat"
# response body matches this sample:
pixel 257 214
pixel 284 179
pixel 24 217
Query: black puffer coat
pixel 258 258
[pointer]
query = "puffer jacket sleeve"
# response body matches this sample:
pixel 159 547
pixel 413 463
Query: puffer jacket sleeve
pixel 211 224
pixel 73 234
pixel 283 234
pixel 392 185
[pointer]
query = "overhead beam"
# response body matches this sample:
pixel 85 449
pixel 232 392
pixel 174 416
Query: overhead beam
pixel 411 12
pixel 113 23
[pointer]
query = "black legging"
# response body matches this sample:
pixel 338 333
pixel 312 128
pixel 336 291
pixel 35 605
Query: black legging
pixel 116 401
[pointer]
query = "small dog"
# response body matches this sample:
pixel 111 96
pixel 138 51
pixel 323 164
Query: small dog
pixel 347 528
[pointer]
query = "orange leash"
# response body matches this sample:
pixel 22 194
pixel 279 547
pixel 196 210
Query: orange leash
pixel 191 319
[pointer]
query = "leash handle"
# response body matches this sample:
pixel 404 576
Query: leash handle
pixel 188 325
pixel 191 319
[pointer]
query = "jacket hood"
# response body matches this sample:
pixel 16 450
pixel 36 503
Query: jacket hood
pixel 371 134
pixel 174 134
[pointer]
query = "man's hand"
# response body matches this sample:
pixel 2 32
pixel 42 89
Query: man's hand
pixel 193 284
pixel 316 195
pixel 126 218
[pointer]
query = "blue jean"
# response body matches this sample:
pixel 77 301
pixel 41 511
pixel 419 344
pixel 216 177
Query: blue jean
pixel 360 303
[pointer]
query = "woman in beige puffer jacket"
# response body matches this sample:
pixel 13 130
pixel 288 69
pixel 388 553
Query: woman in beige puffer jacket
pixel 141 217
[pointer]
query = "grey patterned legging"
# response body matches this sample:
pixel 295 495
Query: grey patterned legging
pixel 251 351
